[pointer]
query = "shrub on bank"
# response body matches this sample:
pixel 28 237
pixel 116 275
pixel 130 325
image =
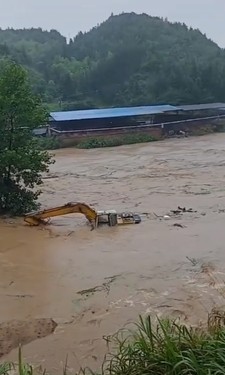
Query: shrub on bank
pixel 165 348
pixel 116 141
pixel 48 143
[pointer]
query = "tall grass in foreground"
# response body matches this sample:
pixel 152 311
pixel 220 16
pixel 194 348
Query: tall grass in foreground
pixel 21 368
pixel 165 348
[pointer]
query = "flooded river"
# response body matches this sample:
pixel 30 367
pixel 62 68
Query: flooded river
pixel 91 283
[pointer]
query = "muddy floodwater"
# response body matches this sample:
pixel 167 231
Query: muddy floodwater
pixel 91 283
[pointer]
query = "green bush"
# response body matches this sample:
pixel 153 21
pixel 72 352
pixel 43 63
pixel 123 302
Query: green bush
pixel 48 143
pixel 116 141
pixel 16 200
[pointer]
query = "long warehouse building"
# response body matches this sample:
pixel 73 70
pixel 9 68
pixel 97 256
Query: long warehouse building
pixel 129 117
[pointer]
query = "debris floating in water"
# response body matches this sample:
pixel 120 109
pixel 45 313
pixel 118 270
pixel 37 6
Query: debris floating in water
pixel 178 225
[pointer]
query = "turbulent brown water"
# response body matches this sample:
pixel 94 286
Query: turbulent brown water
pixel 91 283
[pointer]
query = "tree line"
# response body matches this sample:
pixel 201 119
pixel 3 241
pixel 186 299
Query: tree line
pixel 129 59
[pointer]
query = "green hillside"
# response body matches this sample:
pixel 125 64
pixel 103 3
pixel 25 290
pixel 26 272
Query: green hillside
pixel 129 59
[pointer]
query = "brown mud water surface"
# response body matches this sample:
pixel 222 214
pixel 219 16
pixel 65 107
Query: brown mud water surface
pixel 63 287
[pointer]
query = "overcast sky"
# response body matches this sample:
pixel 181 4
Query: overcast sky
pixel 71 16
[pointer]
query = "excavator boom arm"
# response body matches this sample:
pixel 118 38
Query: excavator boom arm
pixel 37 218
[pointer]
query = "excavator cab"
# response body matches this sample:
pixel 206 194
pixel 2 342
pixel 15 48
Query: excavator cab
pixel 107 217
pixel 112 218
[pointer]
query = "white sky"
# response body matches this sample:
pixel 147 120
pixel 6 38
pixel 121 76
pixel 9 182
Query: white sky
pixel 71 16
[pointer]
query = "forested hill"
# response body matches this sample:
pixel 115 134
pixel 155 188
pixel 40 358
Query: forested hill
pixel 128 60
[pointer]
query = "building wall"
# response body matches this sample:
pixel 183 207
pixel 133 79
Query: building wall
pixel 192 127
pixel 93 124
pixel 71 139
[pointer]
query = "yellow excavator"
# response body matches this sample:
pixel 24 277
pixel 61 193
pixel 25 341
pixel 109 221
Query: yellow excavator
pixel 95 218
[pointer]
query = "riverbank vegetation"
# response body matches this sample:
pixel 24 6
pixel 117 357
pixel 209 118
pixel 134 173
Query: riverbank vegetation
pixel 47 143
pixel 112 141
pixel 162 348
pixel 54 143
pixel 21 162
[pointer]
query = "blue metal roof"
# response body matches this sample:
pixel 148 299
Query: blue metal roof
pixel 199 107
pixel 111 112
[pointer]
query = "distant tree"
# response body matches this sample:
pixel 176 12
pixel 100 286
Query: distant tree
pixel 21 163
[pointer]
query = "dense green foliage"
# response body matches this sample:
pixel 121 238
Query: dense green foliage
pixel 128 60
pixel 21 163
